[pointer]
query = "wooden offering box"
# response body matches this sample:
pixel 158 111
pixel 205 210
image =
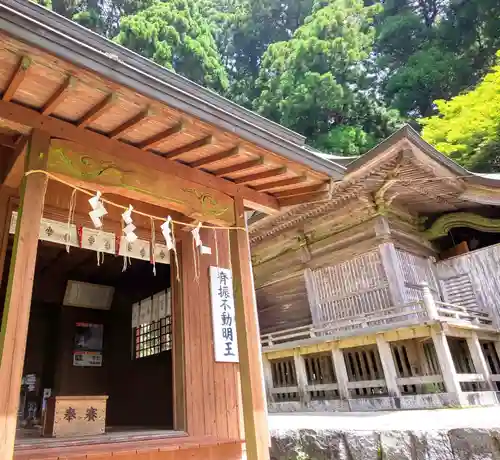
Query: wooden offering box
pixel 75 416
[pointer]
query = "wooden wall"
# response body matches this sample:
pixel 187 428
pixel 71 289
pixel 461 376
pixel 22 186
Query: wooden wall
pixel 283 304
pixel 212 389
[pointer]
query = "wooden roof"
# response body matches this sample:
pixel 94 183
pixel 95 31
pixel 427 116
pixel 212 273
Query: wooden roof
pixel 53 68
pixel 403 170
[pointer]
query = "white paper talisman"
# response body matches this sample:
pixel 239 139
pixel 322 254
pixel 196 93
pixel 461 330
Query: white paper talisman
pixel 145 311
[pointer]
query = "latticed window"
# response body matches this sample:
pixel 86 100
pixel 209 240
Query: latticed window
pixel 153 338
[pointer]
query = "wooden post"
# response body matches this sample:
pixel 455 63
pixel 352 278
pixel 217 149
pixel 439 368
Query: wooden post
pixel 19 288
pixel 445 360
pixel 340 372
pixel 390 374
pixel 301 374
pixel 429 302
pixel 393 272
pixel 268 378
pixel 247 325
pixel 479 360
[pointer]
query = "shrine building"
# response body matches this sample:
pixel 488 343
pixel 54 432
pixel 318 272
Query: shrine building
pixel 129 325
pixel 383 292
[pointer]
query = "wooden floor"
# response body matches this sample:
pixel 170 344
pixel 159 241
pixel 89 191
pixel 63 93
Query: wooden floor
pixel 31 438
pixel 128 444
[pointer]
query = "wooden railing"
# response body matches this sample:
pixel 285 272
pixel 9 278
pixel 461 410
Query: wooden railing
pixel 427 309
pixel 468 315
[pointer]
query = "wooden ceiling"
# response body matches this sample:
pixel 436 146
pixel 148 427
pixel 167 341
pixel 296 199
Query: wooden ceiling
pixel 38 81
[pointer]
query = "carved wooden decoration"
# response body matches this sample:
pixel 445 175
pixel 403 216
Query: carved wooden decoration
pixel 460 219
pixel 98 170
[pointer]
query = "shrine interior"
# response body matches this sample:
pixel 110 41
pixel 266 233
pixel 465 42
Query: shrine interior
pixel 132 366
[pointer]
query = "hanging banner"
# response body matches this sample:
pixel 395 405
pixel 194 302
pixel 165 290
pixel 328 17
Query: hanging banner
pixel 162 254
pixel 223 317
pixel 139 249
pixel 136 315
pixel 51 230
pixel 97 240
pixel 145 311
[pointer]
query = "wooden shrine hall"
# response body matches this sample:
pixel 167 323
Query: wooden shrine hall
pixel 129 324
pixel 384 294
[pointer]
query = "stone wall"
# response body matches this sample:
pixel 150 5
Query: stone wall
pixel 456 444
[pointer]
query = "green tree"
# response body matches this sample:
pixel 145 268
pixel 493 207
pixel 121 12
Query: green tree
pixel 467 127
pixel 176 35
pixel 433 49
pixel 318 82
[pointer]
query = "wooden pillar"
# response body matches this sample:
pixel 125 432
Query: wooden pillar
pixel 301 375
pixel 247 325
pixel 390 374
pixel 19 288
pixel 445 360
pixel 393 272
pixel 479 360
pixel 340 372
pixel 268 378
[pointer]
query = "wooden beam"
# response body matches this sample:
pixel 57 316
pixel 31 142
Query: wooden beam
pixel 157 139
pixel 17 78
pixel 238 167
pixel 19 289
pixel 302 199
pixel 301 191
pixel 251 374
pixel 58 96
pixel 262 175
pixel 176 153
pixel 8 140
pixel 231 152
pixel 14 169
pixel 281 183
pixel 129 124
pixel 95 112
pixel 65 130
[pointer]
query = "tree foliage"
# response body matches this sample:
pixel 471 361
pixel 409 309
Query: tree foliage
pixel 176 35
pixel 318 82
pixel 467 127
pixel 345 73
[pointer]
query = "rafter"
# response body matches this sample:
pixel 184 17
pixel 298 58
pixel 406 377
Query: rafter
pixel 17 78
pixel 304 199
pixel 231 152
pixel 238 167
pixel 262 175
pixel 301 191
pixel 58 96
pixel 157 139
pixel 280 183
pixel 129 124
pixel 95 112
pixel 176 153
pixel 93 140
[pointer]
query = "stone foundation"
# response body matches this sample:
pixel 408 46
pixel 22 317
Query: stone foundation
pixel 424 401
pixel 456 444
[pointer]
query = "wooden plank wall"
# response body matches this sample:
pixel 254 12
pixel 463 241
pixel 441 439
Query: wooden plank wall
pixel 472 279
pixel 351 289
pixel 415 270
pixel 283 305
pixel 213 398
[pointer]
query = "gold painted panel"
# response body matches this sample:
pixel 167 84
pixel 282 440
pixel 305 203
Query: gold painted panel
pixel 98 170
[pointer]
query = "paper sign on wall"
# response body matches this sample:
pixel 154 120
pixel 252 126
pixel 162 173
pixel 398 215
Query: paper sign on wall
pixel 223 317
